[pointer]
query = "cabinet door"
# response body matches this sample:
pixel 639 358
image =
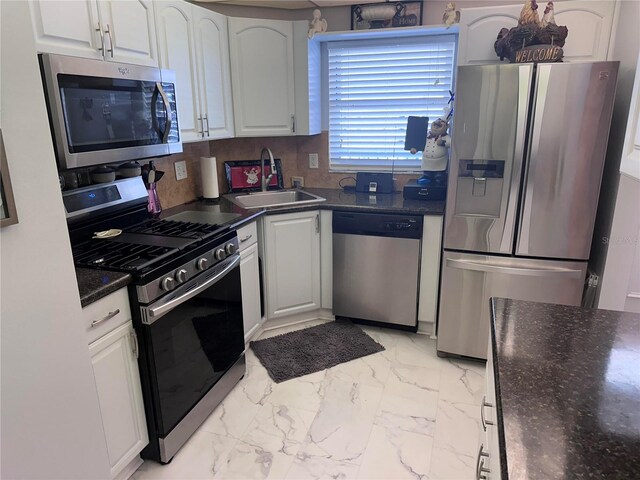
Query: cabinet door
pixel 214 76
pixel 115 369
pixel 292 261
pixel 250 290
pixel 589 24
pixel 262 76
pixel 129 31
pixel 177 52
pixel 479 29
pixel 68 28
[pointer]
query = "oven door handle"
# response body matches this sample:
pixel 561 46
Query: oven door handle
pixel 157 312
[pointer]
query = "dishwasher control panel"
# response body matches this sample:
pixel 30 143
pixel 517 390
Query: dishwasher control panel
pixel 377 224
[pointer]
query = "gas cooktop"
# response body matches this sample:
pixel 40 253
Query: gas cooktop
pixel 144 246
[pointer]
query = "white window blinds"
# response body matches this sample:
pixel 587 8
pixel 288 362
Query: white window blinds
pixel 373 87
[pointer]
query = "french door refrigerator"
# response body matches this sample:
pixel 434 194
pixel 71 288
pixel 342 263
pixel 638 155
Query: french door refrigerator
pixel 526 163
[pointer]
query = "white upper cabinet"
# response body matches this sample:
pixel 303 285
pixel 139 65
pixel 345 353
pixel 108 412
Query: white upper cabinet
pixel 214 76
pixel 119 31
pixel 589 24
pixel 130 31
pixel 262 76
pixel 193 42
pixel 68 28
pixel 178 53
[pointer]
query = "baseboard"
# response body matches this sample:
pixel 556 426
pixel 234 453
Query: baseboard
pixel 130 469
pixel 319 314
pixel 426 328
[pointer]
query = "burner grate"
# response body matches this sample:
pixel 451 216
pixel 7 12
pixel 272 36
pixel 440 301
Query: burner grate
pixel 175 228
pixel 125 257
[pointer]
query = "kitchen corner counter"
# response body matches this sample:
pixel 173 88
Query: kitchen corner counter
pixel 567 383
pixel 337 199
pixel 96 284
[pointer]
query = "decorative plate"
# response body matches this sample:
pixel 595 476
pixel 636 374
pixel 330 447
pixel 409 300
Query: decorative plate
pixel 246 176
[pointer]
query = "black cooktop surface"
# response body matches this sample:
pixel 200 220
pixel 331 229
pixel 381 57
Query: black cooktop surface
pixel 144 246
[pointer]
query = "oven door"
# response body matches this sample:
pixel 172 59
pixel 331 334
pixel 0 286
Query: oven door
pixel 191 338
pixel 104 112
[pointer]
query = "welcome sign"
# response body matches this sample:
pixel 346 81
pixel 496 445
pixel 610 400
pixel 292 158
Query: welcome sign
pixel 538 53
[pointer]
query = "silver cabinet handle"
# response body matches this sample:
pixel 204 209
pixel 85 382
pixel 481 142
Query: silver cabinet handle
pixel 109 315
pixel 318 223
pixel 530 272
pixel 101 49
pixel 201 132
pixel 293 123
pixel 136 350
pixel 108 32
pixel 159 311
pixel 242 240
pixel 206 119
pixel 480 470
pixel 485 422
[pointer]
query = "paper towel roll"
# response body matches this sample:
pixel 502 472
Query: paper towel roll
pixel 209 172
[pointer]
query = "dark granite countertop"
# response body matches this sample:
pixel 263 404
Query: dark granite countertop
pixel 568 391
pixel 95 284
pixel 230 214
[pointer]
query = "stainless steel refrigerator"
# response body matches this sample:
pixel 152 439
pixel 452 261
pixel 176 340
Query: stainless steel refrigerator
pixel 526 163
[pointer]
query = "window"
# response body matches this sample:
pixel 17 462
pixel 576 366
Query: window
pixel 373 86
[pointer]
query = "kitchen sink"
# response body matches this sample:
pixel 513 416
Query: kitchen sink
pixel 277 198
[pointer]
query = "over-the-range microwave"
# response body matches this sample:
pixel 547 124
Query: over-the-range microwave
pixel 106 112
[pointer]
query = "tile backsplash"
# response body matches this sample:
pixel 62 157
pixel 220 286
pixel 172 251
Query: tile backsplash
pixel 292 151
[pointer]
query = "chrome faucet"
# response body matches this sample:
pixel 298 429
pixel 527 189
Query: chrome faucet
pixel 267 179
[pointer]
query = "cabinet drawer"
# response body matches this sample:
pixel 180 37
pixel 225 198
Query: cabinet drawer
pixel 100 317
pixel 247 235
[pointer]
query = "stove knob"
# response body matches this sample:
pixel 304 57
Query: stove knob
pixel 220 254
pixel 168 284
pixel 181 276
pixel 202 264
pixel 230 248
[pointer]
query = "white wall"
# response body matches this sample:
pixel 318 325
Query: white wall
pixel 51 424
pixel 624 47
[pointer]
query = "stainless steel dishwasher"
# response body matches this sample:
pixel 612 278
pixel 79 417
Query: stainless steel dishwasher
pixel 376 266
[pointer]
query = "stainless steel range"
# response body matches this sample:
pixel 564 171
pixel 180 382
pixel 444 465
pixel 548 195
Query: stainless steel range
pixel 185 299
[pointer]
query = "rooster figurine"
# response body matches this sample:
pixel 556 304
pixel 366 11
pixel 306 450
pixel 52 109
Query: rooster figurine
pixel 529 14
pixel 451 15
pixel 550 33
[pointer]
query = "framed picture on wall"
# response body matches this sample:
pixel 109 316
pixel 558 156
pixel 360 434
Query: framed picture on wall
pixel 386 15
pixel 8 213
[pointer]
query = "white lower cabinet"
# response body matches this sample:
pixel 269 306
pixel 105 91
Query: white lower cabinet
pixel 292 263
pixel 250 277
pixel 488 460
pixel 429 273
pixel 115 368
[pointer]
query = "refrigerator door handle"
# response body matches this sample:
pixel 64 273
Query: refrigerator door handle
pixel 540 96
pixel 529 272
pixel 525 76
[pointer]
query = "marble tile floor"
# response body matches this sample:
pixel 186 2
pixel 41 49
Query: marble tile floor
pixel 399 414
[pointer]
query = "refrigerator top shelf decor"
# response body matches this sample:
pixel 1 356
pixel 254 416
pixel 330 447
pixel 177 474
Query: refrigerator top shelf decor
pixel 533 39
